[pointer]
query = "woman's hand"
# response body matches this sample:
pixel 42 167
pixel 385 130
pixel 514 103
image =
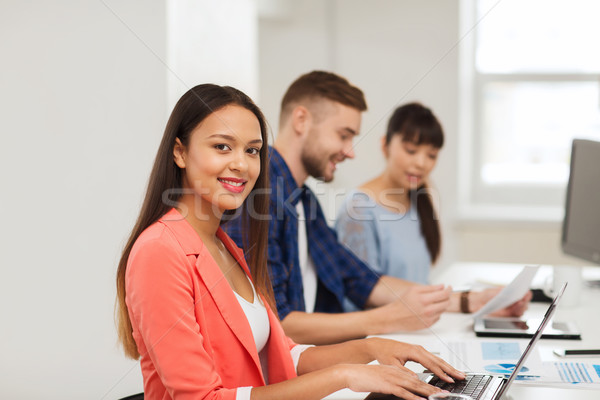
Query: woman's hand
pixel 478 300
pixel 386 379
pixel 392 352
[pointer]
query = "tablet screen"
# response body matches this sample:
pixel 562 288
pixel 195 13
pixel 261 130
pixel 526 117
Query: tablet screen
pixel 505 324
pixel 515 327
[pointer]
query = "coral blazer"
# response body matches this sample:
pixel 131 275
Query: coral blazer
pixel 193 336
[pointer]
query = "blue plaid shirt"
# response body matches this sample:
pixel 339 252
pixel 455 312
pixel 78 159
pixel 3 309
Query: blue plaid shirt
pixel 340 273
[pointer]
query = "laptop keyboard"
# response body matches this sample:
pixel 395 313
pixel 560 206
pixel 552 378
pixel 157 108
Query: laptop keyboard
pixel 473 385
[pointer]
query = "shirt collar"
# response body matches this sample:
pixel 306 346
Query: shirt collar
pixel 282 179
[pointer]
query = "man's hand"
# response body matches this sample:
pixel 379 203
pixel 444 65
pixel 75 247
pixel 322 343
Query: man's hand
pixel 418 307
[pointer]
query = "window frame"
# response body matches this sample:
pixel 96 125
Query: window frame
pixel 503 201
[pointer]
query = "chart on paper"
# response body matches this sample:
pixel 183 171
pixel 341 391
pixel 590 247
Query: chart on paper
pixel 577 372
pixel 500 357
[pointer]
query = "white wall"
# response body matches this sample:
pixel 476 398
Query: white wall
pixel 82 108
pixel 211 42
pixel 85 92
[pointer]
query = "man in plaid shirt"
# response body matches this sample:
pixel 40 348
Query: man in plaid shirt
pixel 310 270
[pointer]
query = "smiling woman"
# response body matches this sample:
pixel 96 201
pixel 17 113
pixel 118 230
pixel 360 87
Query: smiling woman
pixel 208 162
pixel 189 307
pixel 222 162
pixel 390 221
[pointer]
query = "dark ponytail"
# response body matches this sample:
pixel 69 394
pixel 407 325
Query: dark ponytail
pixel 430 227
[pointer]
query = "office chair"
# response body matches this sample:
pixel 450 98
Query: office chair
pixel 139 396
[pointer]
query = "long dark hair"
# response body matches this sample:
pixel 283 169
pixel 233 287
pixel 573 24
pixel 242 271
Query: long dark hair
pixel 166 177
pixel 416 123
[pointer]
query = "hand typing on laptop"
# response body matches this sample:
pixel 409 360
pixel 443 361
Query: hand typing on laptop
pixel 392 376
pixel 392 352
pixel 387 379
pixel 481 386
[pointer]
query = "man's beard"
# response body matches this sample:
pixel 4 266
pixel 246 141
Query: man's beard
pixel 315 165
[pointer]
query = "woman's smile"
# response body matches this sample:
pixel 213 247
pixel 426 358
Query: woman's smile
pixel 235 185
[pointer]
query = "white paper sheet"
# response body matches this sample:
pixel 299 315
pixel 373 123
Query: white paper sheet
pixel 511 293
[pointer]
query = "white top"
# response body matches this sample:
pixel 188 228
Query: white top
pixel 307 267
pixel 390 243
pixel 258 318
pixel 243 393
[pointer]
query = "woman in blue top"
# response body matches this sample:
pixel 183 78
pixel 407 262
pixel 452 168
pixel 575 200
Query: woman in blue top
pixel 390 221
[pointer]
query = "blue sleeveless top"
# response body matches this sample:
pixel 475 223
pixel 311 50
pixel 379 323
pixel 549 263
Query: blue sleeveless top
pixel 390 243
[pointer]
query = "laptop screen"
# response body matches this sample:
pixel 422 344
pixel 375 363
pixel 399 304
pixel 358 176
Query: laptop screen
pixel 532 342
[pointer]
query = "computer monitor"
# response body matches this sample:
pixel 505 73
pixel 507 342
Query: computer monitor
pixel 581 224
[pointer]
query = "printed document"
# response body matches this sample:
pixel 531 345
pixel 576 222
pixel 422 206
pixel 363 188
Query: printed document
pixel 511 293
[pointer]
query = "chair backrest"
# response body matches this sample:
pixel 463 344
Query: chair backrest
pixel 139 396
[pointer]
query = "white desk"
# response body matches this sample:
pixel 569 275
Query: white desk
pixel 454 326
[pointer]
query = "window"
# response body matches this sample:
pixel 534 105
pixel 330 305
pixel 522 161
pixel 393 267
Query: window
pixel 533 72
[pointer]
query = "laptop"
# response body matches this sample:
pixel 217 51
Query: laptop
pixel 485 386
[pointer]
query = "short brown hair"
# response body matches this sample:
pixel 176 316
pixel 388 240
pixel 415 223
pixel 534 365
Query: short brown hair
pixel 318 85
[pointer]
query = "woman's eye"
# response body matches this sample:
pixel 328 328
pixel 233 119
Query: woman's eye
pixel 222 147
pixel 253 151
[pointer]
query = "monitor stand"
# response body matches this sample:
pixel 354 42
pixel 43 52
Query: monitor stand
pixel 593 283
pixel 573 274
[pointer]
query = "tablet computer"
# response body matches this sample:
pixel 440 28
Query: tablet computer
pixel 520 328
